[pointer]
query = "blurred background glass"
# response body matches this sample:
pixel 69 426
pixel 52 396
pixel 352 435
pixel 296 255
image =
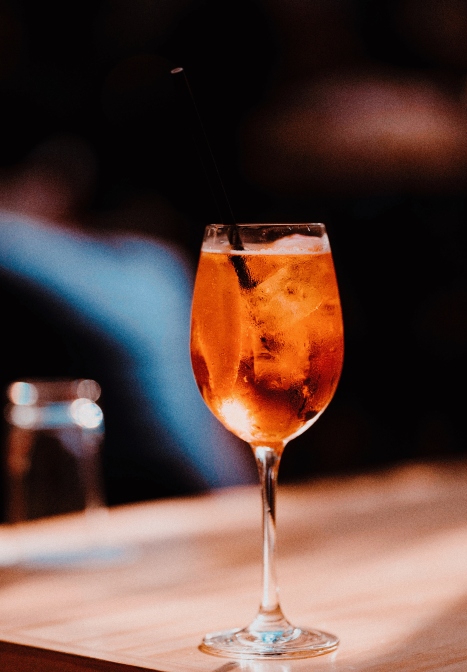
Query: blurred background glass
pixel 53 460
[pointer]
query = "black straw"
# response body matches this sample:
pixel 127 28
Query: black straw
pixel 217 186
pixel 204 150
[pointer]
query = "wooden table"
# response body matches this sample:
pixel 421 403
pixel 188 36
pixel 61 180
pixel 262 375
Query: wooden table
pixel 380 560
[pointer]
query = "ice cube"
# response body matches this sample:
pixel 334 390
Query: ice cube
pixel 281 360
pixel 282 300
pixel 297 244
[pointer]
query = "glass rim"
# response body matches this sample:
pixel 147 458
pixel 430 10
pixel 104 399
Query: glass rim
pixel 241 236
pixel 264 224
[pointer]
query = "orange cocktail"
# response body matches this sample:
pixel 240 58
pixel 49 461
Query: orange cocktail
pixel 267 357
pixel 267 349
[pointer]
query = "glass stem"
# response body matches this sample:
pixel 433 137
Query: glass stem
pixel 270 617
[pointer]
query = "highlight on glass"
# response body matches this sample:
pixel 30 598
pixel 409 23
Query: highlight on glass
pixel 267 353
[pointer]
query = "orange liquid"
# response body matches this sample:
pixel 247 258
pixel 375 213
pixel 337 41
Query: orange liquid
pixel 267 359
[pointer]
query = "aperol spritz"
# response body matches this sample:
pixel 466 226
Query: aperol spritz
pixel 267 353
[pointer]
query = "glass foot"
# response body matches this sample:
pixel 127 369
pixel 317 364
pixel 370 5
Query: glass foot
pixel 248 644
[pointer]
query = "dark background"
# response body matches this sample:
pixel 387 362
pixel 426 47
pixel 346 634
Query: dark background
pixel 351 112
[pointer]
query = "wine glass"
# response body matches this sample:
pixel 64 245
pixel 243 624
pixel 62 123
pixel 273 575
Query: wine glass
pixel 267 351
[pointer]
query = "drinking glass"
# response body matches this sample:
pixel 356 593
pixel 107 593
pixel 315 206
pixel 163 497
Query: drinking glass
pixel 267 351
pixel 53 447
